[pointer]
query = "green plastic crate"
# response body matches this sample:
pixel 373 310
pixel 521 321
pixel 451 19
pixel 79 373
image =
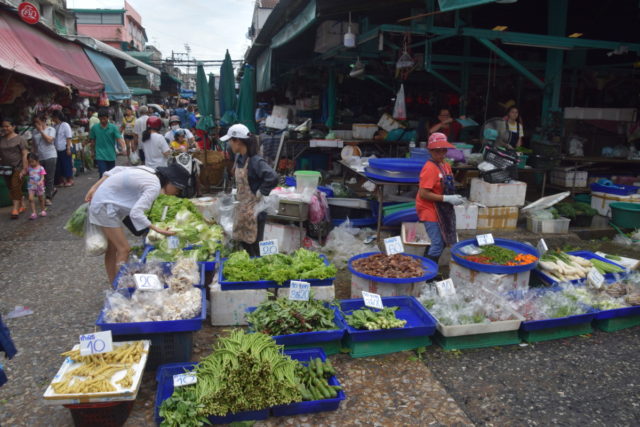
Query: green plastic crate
pixel 477 341
pixel 556 333
pixel 375 348
pixel 329 347
pixel 617 323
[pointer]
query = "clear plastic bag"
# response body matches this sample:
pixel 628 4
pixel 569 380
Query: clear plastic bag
pixel 77 222
pixel 345 241
pixel 95 242
pixel 134 158
pixel 268 204
pixel 224 213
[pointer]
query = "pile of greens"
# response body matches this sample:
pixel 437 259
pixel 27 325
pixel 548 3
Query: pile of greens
pixel 284 316
pixel 75 225
pixel 245 372
pixel 174 205
pixel 573 209
pixel 366 318
pixel 303 264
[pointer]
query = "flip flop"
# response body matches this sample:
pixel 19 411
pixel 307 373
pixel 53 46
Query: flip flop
pixel 14 214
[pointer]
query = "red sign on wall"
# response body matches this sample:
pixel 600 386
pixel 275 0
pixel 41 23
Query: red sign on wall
pixel 28 13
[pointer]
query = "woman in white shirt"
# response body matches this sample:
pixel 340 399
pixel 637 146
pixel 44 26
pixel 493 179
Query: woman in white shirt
pixel 515 132
pixel 155 147
pixel 43 143
pixel 129 192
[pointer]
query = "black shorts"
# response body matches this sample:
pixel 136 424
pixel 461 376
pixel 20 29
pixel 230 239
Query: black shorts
pixel 129 137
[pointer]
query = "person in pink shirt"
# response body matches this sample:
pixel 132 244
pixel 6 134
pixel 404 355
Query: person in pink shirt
pixel 35 185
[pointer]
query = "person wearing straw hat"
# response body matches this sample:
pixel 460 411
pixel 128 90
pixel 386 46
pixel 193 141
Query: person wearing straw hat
pixel 436 197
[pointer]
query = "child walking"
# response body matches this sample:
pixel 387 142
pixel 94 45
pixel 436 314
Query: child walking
pixel 36 185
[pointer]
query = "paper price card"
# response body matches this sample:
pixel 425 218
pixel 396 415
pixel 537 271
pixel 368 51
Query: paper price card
pixel 595 278
pixel 393 245
pixel 181 380
pixel 299 291
pixel 268 247
pixel 173 242
pixel 96 343
pixel 372 300
pixel 485 239
pixel 445 288
pixel 148 282
pixel 542 247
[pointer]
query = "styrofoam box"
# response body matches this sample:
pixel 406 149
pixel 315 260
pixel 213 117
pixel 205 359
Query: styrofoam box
pixel 415 238
pixel 548 226
pixel 358 284
pixel 466 217
pixel 228 307
pixel 496 195
pixel 344 135
pixel 565 178
pixel 276 122
pixel 322 293
pixel 329 143
pixel 615 114
pixel 502 218
pixel 602 201
pixel 288 236
pixel 388 123
pixel 364 130
pixel 498 283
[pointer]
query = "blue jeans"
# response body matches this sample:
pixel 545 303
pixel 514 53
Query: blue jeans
pixel 105 165
pixel 437 242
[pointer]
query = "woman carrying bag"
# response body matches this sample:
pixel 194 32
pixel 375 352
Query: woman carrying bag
pixel 254 180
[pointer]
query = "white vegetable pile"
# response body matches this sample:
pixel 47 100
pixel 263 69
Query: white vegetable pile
pixel 561 271
pixel 181 300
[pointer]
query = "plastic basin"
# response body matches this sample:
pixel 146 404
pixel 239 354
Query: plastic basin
pixel 625 215
pixel 430 270
pixel 518 247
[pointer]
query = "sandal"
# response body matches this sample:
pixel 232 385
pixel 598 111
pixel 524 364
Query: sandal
pixel 69 184
pixel 33 216
pixel 43 213
pixel 22 209
pixel 14 214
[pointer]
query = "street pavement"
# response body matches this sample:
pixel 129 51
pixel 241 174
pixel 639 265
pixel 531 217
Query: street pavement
pixel 589 380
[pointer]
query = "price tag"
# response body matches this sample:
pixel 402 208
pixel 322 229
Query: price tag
pixel 445 288
pixel 299 291
pixel 372 300
pixel 181 380
pixel 542 247
pixel 393 245
pixel 595 278
pixel 164 213
pixel 269 247
pixel 485 239
pixel 148 282
pixel 96 343
pixel 173 242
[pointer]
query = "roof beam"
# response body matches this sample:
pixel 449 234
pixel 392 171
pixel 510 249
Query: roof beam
pixel 511 61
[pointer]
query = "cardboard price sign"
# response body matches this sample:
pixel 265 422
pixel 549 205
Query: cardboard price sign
pixel 393 245
pixel 181 380
pixel 95 343
pixel 445 288
pixel 372 300
pixel 542 247
pixel 485 239
pixel 148 282
pixel 268 247
pixel 595 278
pixel 299 291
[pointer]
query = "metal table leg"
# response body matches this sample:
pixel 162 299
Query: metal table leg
pixel 380 191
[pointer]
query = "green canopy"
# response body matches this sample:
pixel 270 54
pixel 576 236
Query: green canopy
pixel 247 99
pixel 204 102
pixel 331 99
pixel 212 95
pixel 227 89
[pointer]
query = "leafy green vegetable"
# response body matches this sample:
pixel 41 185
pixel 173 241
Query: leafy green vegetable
pixel 75 224
pixel 365 318
pixel 175 204
pixel 283 317
pixel 181 409
pixel 303 264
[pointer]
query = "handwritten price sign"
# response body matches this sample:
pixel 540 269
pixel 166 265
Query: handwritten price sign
pixel 148 282
pixel 372 300
pixel 485 239
pixel 96 343
pixel 182 380
pixel 445 288
pixel 393 245
pixel 268 247
pixel 299 291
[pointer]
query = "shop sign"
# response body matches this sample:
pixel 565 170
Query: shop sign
pixel 28 13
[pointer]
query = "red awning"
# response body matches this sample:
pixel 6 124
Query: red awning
pixel 65 60
pixel 14 56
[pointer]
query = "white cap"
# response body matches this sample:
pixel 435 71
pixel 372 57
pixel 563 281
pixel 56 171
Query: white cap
pixel 237 131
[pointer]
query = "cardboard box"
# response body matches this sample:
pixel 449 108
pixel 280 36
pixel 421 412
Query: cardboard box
pixel 495 195
pixel 503 218
pixel 288 236
pixel 228 307
pixel 466 217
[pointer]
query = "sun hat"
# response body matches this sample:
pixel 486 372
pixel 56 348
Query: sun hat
pixel 438 140
pixel 237 131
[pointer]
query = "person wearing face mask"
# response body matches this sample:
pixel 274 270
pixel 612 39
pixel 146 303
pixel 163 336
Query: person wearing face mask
pixel 436 197
pixel 174 126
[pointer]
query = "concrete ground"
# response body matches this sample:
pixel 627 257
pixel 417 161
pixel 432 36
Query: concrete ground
pixel 588 380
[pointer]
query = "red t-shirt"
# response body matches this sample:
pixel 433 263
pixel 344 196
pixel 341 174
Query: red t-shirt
pixel 453 131
pixel 431 179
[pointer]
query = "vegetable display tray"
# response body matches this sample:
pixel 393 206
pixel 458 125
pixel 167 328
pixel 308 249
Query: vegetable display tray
pixel 166 267
pixel 430 270
pixel 520 248
pixel 556 333
pixel 162 326
pixel 226 285
pixel 164 378
pixel 617 323
pixel 316 339
pixel 609 277
pixel 493 339
pixel 618 312
pixel 312 406
pixel 208 265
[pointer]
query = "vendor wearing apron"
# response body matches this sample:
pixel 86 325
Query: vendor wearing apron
pixel 436 198
pixel 125 194
pixel 254 179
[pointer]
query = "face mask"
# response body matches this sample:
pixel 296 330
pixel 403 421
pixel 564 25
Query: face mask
pixel 175 127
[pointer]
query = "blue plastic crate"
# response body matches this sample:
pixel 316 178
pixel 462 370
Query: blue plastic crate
pixel 311 406
pixel 621 190
pixel 518 247
pixel 610 277
pixel 163 326
pixel 618 312
pixel 430 270
pixel 226 285
pixel 419 321
pixel 166 267
pixel 208 265
pixel 312 337
pixel 164 378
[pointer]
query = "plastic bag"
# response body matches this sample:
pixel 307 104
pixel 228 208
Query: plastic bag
pixel 345 241
pixel 268 204
pixel 134 158
pixel 400 108
pixel 95 243
pixel 541 214
pixel 76 223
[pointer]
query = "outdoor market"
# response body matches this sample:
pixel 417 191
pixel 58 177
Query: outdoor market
pixel 425 213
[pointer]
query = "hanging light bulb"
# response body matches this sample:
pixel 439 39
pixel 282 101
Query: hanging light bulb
pixel 349 38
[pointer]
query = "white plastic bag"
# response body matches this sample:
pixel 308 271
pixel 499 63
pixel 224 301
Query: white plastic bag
pixel 400 108
pixel 268 204
pixel 134 158
pixel 95 243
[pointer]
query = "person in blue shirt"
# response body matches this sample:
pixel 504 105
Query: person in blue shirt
pixel 261 115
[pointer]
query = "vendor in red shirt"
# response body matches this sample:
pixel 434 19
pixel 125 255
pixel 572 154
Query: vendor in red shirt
pixel 436 197
pixel 447 125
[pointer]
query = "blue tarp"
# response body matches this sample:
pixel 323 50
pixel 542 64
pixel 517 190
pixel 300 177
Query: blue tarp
pixel 114 85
